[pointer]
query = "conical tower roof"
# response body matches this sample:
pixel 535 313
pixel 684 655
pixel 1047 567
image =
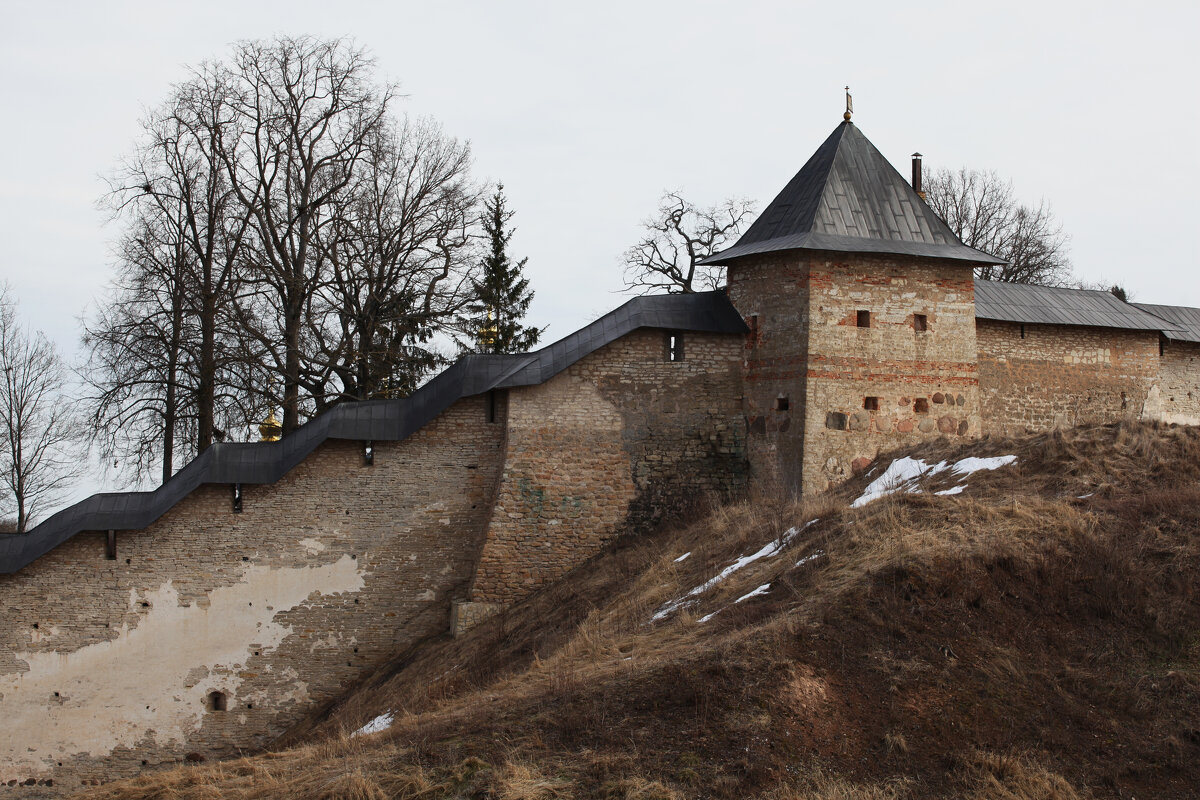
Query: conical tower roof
pixel 849 198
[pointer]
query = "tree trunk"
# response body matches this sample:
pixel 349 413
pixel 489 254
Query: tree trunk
pixel 206 390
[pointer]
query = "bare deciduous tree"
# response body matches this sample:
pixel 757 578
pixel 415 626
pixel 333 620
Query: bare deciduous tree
pixel 307 111
pixel 158 344
pixel 397 245
pixel 42 453
pixel 286 243
pixel 677 239
pixel 982 211
pixel 139 398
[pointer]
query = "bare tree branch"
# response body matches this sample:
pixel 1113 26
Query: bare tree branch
pixel 41 449
pixel 677 239
pixel 981 210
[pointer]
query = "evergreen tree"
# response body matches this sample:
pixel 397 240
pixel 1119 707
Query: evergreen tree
pixel 502 295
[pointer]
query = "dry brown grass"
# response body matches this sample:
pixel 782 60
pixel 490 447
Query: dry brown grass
pixel 1015 777
pixel 930 634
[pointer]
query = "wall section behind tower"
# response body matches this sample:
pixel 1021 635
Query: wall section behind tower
pixel 618 439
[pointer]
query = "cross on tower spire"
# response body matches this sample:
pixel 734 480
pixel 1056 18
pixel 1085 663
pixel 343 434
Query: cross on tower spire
pixel 849 105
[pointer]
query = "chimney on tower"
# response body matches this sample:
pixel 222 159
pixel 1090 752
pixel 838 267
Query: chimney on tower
pixel 916 175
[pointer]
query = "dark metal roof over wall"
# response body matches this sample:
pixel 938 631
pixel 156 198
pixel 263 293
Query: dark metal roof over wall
pixel 376 420
pixel 849 198
pixel 1019 302
pixel 1186 320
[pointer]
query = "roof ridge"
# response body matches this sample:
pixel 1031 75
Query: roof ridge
pixel 813 168
pixel 386 420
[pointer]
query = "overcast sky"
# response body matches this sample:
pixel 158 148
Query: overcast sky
pixel 587 112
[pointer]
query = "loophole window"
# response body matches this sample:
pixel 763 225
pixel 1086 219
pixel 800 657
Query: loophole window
pixel 871 403
pixel 674 346
pixel 217 701
pixel 864 319
pixel 920 323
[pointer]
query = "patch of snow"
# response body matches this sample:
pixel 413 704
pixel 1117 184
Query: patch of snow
pixel 766 587
pixel 768 550
pixel 952 489
pixel 683 557
pixel 972 464
pixel 903 474
pixel 900 475
pixel 810 557
pixel 380 723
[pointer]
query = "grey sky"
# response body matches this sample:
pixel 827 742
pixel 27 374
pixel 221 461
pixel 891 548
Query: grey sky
pixel 588 112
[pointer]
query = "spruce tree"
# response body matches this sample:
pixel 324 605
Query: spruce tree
pixel 502 295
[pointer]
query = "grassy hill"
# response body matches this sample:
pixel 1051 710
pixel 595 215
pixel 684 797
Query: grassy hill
pixel 1035 634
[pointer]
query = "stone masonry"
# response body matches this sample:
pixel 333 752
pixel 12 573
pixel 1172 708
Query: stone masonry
pixel 1036 377
pixel 623 430
pixel 1175 396
pixel 214 630
pixel 840 366
pixel 110 666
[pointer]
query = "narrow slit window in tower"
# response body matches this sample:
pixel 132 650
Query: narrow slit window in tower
pixel 871 403
pixel 217 701
pixel 920 323
pixel 864 319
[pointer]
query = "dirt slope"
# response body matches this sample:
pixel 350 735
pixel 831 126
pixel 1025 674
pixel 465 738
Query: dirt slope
pixel 1035 634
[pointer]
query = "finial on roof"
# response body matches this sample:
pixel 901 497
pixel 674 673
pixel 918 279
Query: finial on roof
pixel 849 105
pixel 270 429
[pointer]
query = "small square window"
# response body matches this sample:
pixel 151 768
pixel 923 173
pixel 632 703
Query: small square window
pixel 864 319
pixel 871 403
pixel 921 405
pixel 674 346
pixel 920 323
pixel 781 404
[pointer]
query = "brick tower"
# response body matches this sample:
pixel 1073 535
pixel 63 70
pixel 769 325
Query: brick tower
pixel 860 302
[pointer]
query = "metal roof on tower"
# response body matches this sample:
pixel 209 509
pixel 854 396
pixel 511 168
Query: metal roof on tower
pixel 849 198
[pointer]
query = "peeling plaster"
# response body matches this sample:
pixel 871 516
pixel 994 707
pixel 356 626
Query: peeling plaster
pixel 312 546
pixel 151 681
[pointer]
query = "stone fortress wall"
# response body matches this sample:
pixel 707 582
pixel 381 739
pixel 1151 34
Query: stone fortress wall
pixel 1037 377
pixel 879 352
pixel 213 631
pixel 582 449
pixel 1175 396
